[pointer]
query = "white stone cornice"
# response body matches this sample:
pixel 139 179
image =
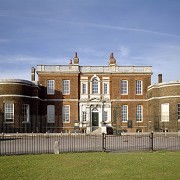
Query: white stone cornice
pixel 62 100
pixel 128 100
pixel 17 95
pixel 163 97
pixel 164 84
pixel 93 69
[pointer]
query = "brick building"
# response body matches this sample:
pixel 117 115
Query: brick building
pixel 95 97
pixel 68 98
pixel 164 106
pixel 19 105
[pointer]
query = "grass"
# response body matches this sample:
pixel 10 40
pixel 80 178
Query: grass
pixel 145 165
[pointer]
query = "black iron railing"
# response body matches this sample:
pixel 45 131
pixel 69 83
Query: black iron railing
pixel 34 143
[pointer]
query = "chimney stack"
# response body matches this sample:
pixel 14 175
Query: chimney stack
pixel 33 74
pixel 76 59
pixel 112 60
pixel 159 78
pixel 70 61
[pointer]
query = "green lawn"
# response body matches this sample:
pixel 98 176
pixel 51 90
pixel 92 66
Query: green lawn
pixel 142 165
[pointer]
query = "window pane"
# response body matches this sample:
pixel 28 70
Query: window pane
pixel 9 112
pixel 138 87
pixel 66 113
pixel 105 115
pixel 95 86
pixel 165 112
pixel 66 87
pixel 105 88
pixel 83 88
pixel 50 113
pixel 124 87
pixel 124 113
pixel 139 113
pixel 25 112
pixel 178 111
pixel 84 115
pixel 50 87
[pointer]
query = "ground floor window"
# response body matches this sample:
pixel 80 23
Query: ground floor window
pixel 139 113
pixel 124 113
pixel 84 116
pixel 50 113
pixel 165 112
pixel 66 113
pixel 105 116
pixel 9 112
pixel 178 111
pixel 25 112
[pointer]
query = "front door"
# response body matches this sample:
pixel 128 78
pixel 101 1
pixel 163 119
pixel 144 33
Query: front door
pixel 95 119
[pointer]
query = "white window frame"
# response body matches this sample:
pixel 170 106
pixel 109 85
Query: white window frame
pixel 139 87
pixel 139 113
pixel 9 112
pixel 26 113
pixel 165 112
pixel 66 87
pixel 83 88
pixel 50 113
pixel 84 116
pixel 124 87
pixel 92 88
pixel 124 113
pixel 95 86
pixel 105 87
pixel 105 116
pixel 66 114
pixel 50 87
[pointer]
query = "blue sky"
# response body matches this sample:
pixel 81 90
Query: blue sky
pixel 139 32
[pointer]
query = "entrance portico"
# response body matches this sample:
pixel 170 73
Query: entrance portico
pixel 95 115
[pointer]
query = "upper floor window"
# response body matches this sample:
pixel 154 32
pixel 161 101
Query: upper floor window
pixel 165 112
pixel 178 111
pixel 84 88
pixel 26 112
pixel 124 87
pixel 95 86
pixel 9 112
pixel 106 88
pixel 50 86
pixel 139 113
pixel 138 87
pixel 124 113
pixel 66 113
pixel 50 113
pixel 66 87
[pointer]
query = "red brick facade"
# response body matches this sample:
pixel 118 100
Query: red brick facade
pixel 100 102
pixel 69 98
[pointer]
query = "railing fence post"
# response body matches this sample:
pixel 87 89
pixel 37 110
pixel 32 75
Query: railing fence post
pixel 103 142
pixel 152 141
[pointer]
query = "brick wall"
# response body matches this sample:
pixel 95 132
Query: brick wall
pixel 19 93
pixel 159 94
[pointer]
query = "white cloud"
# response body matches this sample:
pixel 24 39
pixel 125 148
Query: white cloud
pixel 121 28
pixel 30 60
